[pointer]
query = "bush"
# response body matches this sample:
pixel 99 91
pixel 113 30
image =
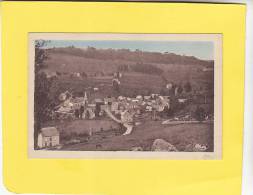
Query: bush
pixel 200 113
pixel 147 68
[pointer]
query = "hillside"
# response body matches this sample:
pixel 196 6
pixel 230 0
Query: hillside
pixel 143 72
pixel 108 60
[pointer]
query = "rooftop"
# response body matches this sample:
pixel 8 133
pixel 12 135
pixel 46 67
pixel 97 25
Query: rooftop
pixel 49 131
pixel 78 100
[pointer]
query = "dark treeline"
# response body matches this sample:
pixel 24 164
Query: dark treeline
pixel 136 56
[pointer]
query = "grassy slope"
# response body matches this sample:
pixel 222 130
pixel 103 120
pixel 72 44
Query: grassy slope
pixel 83 126
pixel 131 81
pixel 69 63
pixel 144 135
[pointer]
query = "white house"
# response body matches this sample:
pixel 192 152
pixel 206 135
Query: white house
pixel 115 106
pixel 48 137
pixel 182 100
pixel 147 97
pixel 169 86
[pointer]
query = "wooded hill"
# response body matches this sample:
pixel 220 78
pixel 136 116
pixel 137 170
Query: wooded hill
pixel 134 56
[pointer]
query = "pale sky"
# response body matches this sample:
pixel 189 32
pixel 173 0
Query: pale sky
pixel 200 49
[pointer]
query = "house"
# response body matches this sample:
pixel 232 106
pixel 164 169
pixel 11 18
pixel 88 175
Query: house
pixel 120 98
pixel 139 97
pixel 63 109
pixel 154 96
pixel 88 113
pixel 115 81
pixel 147 97
pixel 148 108
pixel 166 97
pixel 92 106
pixel 65 95
pixel 48 137
pixel 169 86
pixel 135 100
pixel 98 100
pixel 182 100
pixel 104 107
pixel 76 74
pixel 109 100
pixel 117 75
pixel 77 102
pixel 49 74
pixel 115 106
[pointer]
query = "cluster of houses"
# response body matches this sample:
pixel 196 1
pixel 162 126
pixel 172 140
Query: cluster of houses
pixel 49 136
pixel 81 107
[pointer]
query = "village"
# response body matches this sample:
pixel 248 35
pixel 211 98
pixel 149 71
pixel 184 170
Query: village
pixel 127 112
pixel 111 99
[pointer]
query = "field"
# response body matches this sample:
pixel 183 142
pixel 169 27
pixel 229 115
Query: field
pixel 181 136
pixel 134 81
pixel 83 126
pixel 131 84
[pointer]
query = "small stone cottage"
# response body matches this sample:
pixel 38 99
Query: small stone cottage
pixel 48 137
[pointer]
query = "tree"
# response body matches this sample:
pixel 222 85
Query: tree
pixel 87 115
pixel 200 113
pixel 84 75
pixel 173 106
pixel 81 111
pixel 58 73
pixel 166 111
pixel 188 87
pixel 180 89
pixel 41 90
pixel 172 90
pixel 77 113
pixel 40 55
pixel 162 91
pixel 116 85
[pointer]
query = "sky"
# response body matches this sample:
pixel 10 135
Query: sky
pixel 200 49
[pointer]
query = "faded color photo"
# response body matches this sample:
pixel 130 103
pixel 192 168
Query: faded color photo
pixel 150 95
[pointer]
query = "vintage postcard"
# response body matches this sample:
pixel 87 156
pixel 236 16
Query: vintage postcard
pixel 104 95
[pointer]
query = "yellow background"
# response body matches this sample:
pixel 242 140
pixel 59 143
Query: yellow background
pixel 120 177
